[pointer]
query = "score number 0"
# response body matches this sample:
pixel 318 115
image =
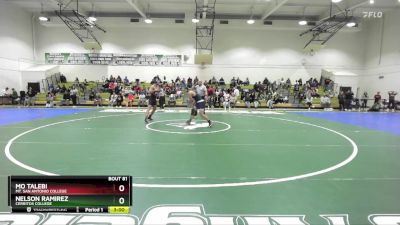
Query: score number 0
pixel 121 200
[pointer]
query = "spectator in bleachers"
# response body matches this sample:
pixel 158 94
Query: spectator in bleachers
pixel 247 100
pixel 210 96
pixel 92 95
pixel 247 81
pixel 266 81
pixel 172 100
pixel 213 80
pixel 270 103
pixel 130 99
pixel 183 83
pixel 98 100
pixel 113 99
pixel 6 92
pixel 66 98
pixel 120 99
pixel 126 80
pixel 142 99
pixel 49 100
pixel 195 81
pixel 63 79
pixel 222 82
pixel 189 82
pixel 254 99
pixel 326 102
pixel 119 79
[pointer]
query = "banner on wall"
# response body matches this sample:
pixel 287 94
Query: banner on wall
pixel 112 59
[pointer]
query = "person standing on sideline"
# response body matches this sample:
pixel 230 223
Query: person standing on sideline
pixel 364 100
pixel 152 106
pixel 392 104
pixel 161 98
pixel 341 98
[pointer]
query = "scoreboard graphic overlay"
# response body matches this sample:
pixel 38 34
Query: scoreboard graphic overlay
pixel 75 194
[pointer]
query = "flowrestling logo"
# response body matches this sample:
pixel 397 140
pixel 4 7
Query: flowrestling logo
pixel 184 215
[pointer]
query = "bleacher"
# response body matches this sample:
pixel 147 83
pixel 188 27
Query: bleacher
pixel 83 96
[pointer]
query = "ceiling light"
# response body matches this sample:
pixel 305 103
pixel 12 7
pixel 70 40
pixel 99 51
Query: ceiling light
pixel 251 21
pixel 302 22
pixel 148 20
pixel 336 1
pixel 371 2
pixel 43 18
pixel 195 20
pixel 351 24
pixel 92 19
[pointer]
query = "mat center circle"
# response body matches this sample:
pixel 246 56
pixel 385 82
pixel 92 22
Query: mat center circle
pixel 179 126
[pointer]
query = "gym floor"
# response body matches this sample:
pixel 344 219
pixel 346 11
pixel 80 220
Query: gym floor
pixel 261 162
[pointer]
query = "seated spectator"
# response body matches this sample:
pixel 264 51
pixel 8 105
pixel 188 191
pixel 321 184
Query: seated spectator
pixel 126 80
pixel 221 81
pixel 266 81
pixel 142 99
pixel 254 99
pixel 113 99
pixel 213 80
pixel 183 83
pixel 92 95
pixel 98 100
pixel 66 98
pixel 247 100
pixel 189 82
pixel 119 80
pixel 178 93
pixel 63 79
pixel 49 100
pixel 6 92
pixel 270 103
pixel 76 82
pixel 326 102
pixel 138 89
pixel 172 100
pixel 246 82
pixel 14 96
pixel 131 99
pixel 119 100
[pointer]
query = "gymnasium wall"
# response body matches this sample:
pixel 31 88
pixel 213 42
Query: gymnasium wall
pixel 16 47
pixel 245 52
pixel 383 55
